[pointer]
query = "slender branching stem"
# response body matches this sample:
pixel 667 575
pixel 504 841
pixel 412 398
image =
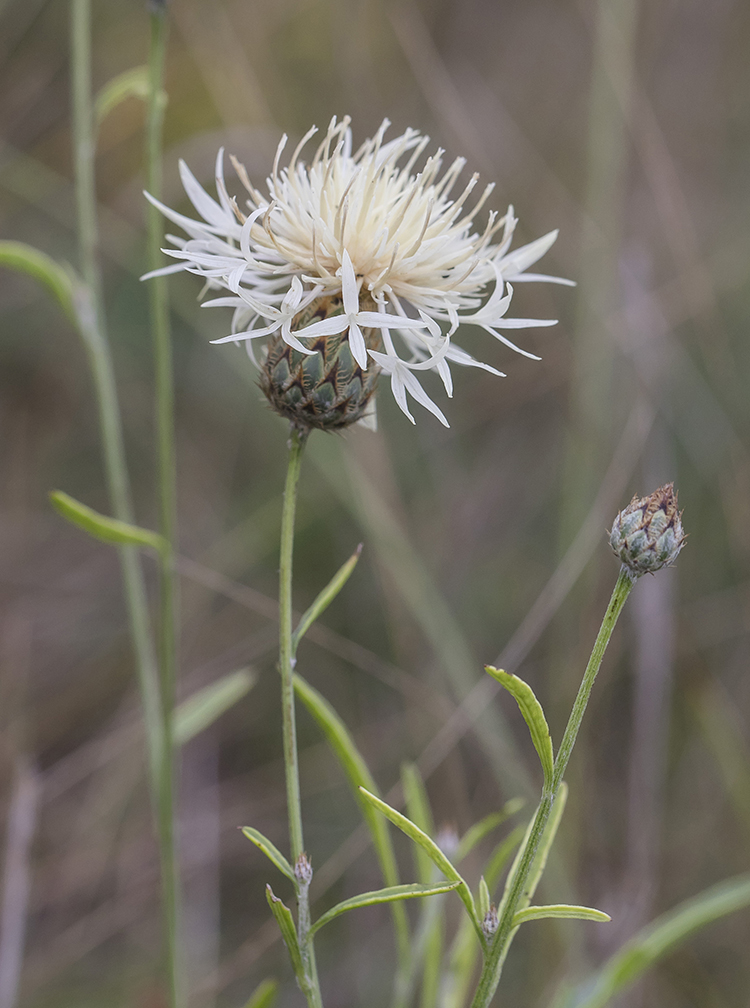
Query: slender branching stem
pixel 166 471
pixel 297 442
pixel 495 958
pixel 92 328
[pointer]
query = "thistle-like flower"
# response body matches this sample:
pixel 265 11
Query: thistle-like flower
pixel 647 534
pixel 354 264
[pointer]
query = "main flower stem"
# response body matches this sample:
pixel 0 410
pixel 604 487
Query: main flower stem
pixel 493 963
pixel 166 475
pixel 297 441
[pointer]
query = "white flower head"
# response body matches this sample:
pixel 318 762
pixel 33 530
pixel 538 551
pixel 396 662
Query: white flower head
pixel 375 230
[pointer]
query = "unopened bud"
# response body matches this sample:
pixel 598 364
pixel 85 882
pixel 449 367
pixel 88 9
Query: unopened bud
pixel 327 390
pixel 648 534
pixel 303 870
pixel 490 921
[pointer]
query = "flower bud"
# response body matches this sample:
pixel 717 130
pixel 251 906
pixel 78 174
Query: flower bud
pixel 490 922
pixel 326 390
pixel 648 534
pixel 303 870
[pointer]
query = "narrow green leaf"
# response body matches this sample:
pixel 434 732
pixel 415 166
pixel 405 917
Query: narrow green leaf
pixel 532 713
pixel 484 901
pixel 108 530
pixel 128 84
pixel 559 910
pixel 285 921
pixel 389 895
pixel 200 710
pixel 418 810
pixel 326 596
pixel 660 937
pixel 272 853
pixel 479 831
pixel 358 775
pixel 433 852
pixel 25 259
pixel 264 995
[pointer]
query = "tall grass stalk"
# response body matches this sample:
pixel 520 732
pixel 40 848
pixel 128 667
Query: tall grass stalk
pixel 91 324
pixel 166 480
pixel 495 958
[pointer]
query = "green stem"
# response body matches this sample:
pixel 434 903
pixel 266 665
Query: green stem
pixel 286 664
pixel 297 440
pixel 166 478
pixel 92 329
pixel 493 964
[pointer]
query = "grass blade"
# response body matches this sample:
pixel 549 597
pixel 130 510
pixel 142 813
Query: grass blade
pixel 131 83
pixel 660 937
pixel 389 895
pixel 264 995
pixel 207 705
pixel 418 809
pixel 355 768
pixel 479 831
pixel 501 855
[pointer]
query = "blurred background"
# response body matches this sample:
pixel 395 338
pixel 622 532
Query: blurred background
pixel 624 124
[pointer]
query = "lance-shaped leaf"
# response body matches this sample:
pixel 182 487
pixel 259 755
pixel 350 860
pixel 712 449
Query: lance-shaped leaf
pixel 201 709
pixel 264 994
pixel 476 833
pixel 325 597
pixel 559 910
pixel 272 853
pixel 25 259
pixel 433 852
pixel 389 895
pixel 533 715
pixel 108 530
pixel 285 921
pixel 131 83
pixel 658 938
pixel 484 902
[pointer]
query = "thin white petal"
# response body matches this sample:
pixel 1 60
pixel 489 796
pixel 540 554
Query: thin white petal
pixel 527 255
pixel 358 347
pixel 326 327
pixel 349 289
pixel 165 271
